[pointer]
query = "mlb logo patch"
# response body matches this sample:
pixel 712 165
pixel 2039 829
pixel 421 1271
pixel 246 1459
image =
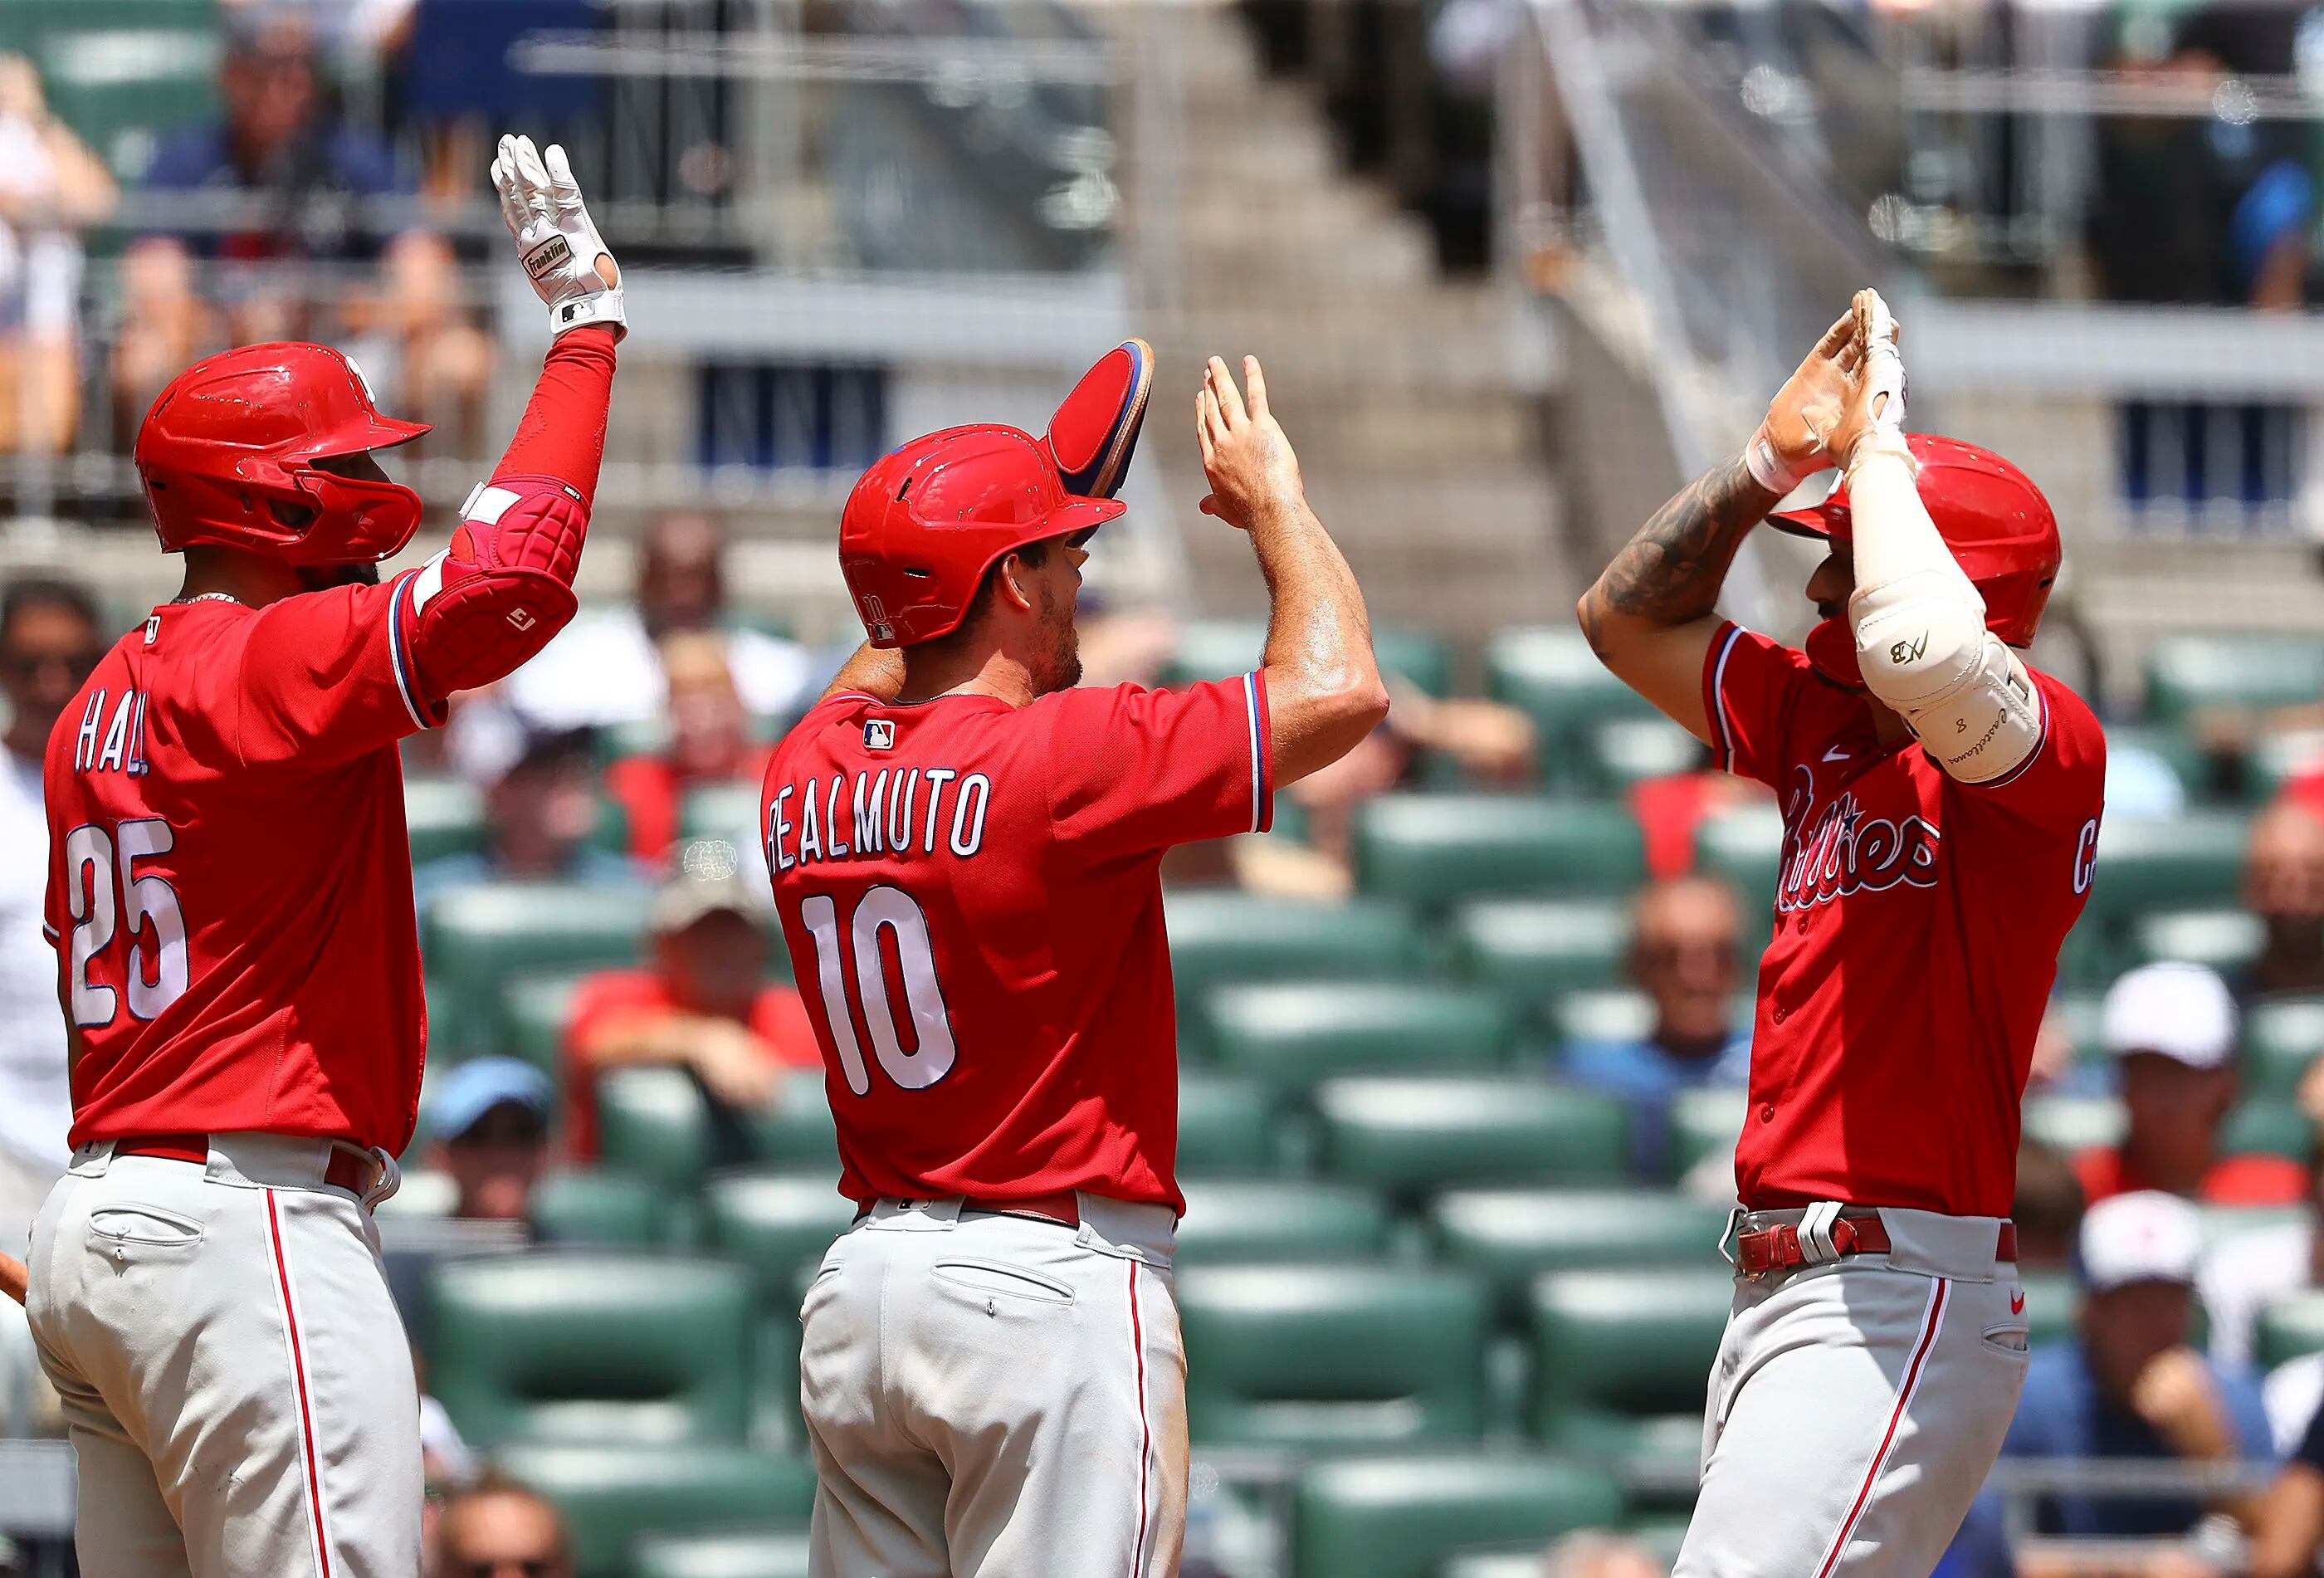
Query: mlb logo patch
pixel 878 734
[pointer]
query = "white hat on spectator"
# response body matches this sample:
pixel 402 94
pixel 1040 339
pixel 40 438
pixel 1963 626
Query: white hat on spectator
pixel 2144 1236
pixel 2183 1011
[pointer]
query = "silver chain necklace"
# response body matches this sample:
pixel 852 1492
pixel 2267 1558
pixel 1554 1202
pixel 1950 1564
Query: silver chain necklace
pixel 211 597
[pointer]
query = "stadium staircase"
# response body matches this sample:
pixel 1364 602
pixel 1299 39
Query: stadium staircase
pixel 1406 395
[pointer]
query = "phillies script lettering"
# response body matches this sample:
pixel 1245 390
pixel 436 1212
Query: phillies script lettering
pixel 1844 851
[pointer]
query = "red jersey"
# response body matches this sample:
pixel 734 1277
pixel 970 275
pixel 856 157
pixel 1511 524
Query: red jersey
pixel 2234 1180
pixel 778 1018
pixel 1917 923
pixel 230 875
pixel 970 895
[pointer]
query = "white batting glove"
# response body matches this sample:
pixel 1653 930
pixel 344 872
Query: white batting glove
pixel 1880 429
pixel 566 260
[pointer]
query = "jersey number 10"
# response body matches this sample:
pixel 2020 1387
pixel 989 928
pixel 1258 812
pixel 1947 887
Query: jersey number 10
pixel 894 909
pixel 96 867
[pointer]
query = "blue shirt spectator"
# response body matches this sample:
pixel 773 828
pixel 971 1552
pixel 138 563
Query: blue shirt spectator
pixel 2128 1385
pixel 280 141
pixel 541 813
pixel 1685 937
pixel 1981 1548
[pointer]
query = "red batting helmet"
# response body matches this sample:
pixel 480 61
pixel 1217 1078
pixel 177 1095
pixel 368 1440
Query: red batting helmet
pixel 2002 532
pixel 926 524
pixel 228 459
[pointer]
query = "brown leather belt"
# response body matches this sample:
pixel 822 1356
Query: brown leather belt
pixel 345 1170
pixel 1063 1207
pixel 1778 1249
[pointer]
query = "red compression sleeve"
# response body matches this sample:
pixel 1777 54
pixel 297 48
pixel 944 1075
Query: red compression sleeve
pixel 563 433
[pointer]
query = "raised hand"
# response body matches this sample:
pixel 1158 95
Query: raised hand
pixel 1872 418
pixel 566 260
pixel 1791 442
pixel 1248 462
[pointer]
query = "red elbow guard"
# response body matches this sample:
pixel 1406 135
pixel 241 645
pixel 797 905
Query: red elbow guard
pixel 503 587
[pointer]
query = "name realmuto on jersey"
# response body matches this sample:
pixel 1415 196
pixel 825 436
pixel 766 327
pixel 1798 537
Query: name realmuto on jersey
pixel 894 811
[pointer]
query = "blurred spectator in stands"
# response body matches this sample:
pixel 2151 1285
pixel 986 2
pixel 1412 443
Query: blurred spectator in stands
pixel 2288 1531
pixel 2171 1029
pixel 2128 1385
pixel 1685 941
pixel 710 743
pixel 604 667
pixel 703 1003
pixel 2283 885
pixel 541 813
pixel 50 186
pixel 2048 1208
pixel 1593 1553
pixel 1980 1548
pixel 315 197
pixel 50 639
pixel 488 1123
pixel 500 1527
pixel 1488 743
pixel 2251 1269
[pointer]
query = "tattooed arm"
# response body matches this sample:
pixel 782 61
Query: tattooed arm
pixel 1649 616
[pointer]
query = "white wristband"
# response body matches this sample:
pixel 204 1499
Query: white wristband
pixel 600 307
pixel 1769 472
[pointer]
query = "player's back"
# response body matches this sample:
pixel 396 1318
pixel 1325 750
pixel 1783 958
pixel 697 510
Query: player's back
pixel 230 874
pixel 969 891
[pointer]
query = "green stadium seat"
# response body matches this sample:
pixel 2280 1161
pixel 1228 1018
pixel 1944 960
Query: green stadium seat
pixel 1220 936
pixel 1511 1236
pixel 1705 1122
pixel 2081 1016
pixel 2282 1038
pixel 583 1345
pixel 124 73
pixel 1615 1350
pixel 723 1554
pixel 655 1122
pixel 1321 1356
pixel 727 811
pixel 1278 1221
pixel 1403 1516
pixel 776 1224
pixel 2171 746
pixel 1441 849
pixel 1224 1125
pixel 2186 674
pixel 1552 675
pixel 446 816
pixel 2051 1301
pixel 1742 846
pixel 1614 1014
pixel 2268 1128
pixel 614 1497
pixel 2224 939
pixel 1288 1036
pixel 2290 1327
pixel 1411 1135
pixel 1537 950
pixel 535 1011
pixel 1625 753
pixel 2143 867
pixel 1215 649
pixel 2222 1223
pixel 2073 1123
pixel 601 1207
pixel 478 939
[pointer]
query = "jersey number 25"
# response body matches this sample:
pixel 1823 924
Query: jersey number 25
pixel 895 911
pixel 98 866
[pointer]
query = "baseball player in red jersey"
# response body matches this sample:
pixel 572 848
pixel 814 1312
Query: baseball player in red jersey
pixel 230 896
pixel 964 851
pixel 1940 805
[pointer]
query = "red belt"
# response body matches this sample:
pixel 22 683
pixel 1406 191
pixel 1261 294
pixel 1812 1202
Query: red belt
pixel 345 1170
pixel 1778 1249
pixel 1063 1207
